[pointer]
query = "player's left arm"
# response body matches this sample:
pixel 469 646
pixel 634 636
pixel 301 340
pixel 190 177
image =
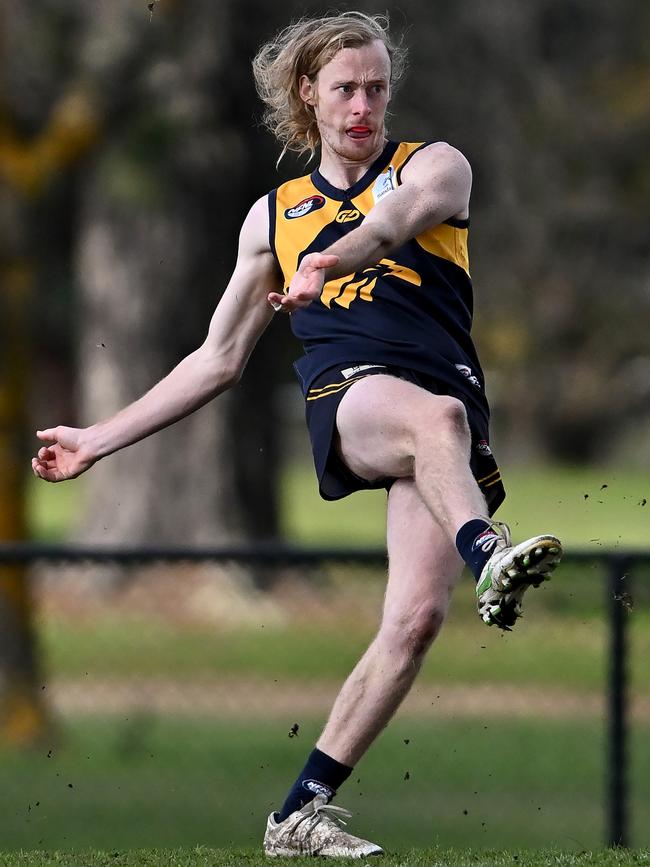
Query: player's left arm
pixel 436 185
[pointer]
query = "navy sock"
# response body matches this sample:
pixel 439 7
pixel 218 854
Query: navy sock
pixel 322 775
pixel 475 543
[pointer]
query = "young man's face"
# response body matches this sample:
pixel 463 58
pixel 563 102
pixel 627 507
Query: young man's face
pixel 350 96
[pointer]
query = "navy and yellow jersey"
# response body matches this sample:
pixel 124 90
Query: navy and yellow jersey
pixel 413 309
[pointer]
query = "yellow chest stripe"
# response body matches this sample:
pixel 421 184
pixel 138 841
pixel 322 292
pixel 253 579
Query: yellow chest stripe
pixel 294 235
pixel 344 290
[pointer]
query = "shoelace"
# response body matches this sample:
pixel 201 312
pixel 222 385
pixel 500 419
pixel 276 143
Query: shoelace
pixel 322 811
pixel 331 811
pixel 504 530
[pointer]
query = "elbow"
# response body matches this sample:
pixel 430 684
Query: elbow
pixel 226 373
pixel 230 375
pixel 220 372
pixel 384 238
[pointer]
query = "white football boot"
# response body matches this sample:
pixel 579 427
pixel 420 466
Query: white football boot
pixel 315 830
pixel 510 571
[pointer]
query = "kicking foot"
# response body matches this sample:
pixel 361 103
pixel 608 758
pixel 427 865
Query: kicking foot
pixel 315 830
pixel 510 571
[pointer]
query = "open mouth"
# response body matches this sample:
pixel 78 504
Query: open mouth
pixel 359 132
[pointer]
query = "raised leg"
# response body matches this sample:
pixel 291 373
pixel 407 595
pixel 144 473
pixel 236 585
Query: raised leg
pixel 389 427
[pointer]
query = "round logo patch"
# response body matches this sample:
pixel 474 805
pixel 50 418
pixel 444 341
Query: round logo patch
pixel 311 203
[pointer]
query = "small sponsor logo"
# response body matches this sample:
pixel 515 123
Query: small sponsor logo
pixel 312 203
pixel 485 541
pixel 384 184
pixel 347 216
pixel 467 373
pixel 483 448
pixel 318 788
pixel 352 371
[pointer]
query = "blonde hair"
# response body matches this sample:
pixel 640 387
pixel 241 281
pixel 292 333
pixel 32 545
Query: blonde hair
pixel 303 48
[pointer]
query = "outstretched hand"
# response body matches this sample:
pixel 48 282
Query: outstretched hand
pixel 306 285
pixel 64 458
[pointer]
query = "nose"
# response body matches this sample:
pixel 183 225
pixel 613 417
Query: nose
pixel 360 105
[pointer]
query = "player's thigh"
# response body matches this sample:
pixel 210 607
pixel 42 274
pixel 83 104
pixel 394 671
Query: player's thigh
pixel 423 567
pixel 379 420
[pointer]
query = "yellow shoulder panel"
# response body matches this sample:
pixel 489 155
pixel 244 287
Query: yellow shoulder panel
pixel 447 242
pixel 301 212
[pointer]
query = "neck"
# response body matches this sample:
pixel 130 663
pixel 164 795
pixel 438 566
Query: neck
pixel 341 171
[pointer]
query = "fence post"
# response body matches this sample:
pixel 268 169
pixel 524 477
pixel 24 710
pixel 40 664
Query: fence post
pixel 618 605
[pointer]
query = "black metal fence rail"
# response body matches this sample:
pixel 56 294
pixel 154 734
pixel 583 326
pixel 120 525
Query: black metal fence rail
pixel 619 568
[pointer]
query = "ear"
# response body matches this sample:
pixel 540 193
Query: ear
pixel 307 90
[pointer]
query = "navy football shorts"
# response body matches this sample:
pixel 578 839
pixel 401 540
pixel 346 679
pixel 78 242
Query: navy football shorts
pixel 335 480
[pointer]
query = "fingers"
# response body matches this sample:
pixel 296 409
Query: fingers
pixel 48 474
pixel 48 435
pixel 275 301
pixel 319 260
pixel 289 303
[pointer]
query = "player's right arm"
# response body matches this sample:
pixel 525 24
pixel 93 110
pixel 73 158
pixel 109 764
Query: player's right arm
pixel 238 321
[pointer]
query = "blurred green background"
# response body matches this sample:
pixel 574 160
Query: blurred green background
pixel 174 728
pixel 152 705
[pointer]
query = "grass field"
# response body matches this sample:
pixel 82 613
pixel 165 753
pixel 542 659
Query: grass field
pixel 156 782
pixel 202 856
pixel 126 785
pixel 570 654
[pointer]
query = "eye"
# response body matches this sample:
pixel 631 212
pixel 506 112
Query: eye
pixel 345 88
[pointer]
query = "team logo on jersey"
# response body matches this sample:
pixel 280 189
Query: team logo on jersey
pixel 467 373
pixel 384 184
pixel 347 216
pixel 360 285
pixel 311 203
pixel 347 372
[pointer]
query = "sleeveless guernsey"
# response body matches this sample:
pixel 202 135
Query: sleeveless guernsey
pixel 412 309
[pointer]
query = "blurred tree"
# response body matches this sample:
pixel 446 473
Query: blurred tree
pixel 549 100
pixel 160 215
pixel 27 164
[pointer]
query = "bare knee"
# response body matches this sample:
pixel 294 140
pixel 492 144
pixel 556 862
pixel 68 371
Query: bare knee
pixel 410 635
pixel 444 416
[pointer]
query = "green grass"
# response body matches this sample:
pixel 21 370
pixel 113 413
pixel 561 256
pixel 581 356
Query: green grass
pixel 563 641
pixel 502 786
pixel 568 654
pixel 146 781
pixel 202 856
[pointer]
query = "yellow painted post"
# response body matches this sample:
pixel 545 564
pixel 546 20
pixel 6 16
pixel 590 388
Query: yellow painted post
pixel 23 719
pixel 26 167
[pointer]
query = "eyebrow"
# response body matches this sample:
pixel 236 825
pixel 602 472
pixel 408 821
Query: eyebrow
pixel 354 81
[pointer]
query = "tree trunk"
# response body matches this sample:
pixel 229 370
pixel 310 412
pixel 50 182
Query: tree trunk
pixel 159 224
pixel 139 300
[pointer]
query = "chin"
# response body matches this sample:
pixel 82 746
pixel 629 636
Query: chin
pixel 359 149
